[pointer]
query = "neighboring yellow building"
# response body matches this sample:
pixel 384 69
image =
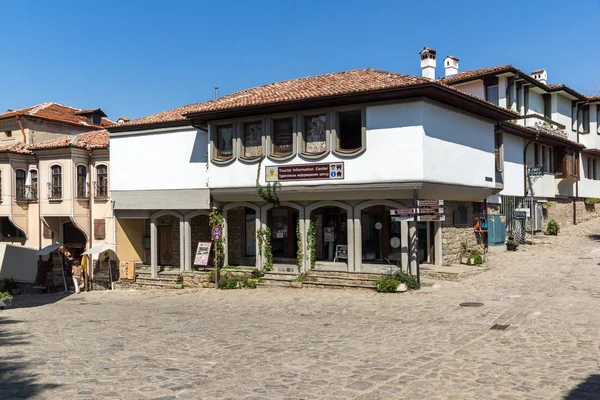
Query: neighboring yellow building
pixel 54 184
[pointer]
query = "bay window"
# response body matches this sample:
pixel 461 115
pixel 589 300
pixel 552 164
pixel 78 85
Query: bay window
pixel 252 139
pixel 283 137
pixel 315 134
pixel 224 142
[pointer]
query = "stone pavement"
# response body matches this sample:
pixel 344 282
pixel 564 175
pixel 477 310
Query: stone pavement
pixel 323 344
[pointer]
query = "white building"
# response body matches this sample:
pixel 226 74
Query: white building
pixel 555 125
pixel 340 151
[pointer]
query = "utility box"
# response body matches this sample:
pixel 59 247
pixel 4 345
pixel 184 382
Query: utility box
pixel 496 230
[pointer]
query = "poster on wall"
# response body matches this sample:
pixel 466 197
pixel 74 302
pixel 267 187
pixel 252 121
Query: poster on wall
pixel 329 233
pixel 202 253
pixel 316 140
pixel 251 235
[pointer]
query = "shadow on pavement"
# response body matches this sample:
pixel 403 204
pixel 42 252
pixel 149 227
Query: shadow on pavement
pixel 595 237
pixel 15 383
pixel 588 389
pixel 36 300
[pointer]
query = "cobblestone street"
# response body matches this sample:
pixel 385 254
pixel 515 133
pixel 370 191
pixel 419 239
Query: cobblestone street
pixel 323 344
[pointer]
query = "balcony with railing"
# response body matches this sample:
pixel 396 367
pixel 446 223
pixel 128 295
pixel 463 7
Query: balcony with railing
pixel 26 193
pixel 100 191
pixel 83 192
pixel 54 192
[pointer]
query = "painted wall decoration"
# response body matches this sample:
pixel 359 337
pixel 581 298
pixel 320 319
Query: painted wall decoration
pixel 315 131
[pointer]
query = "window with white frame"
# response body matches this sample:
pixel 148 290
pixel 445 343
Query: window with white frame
pixel 101 186
pixel 20 184
pixel 82 182
pixel 55 184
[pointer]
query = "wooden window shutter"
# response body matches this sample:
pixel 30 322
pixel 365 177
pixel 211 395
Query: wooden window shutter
pixel 99 229
pixel 47 232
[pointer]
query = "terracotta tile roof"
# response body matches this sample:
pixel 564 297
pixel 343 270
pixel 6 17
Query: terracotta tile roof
pixel 88 140
pixel 537 71
pixel 475 73
pixel 173 115
pixel 18 147
pixel 548 133
pixel 328 85
pixel 56 113
pixel 593 98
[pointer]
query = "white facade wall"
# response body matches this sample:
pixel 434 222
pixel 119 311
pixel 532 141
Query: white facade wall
pixel 458 149
pixel 536 103
pixel 170 159
pixel 513 166
pixel 475 88
pixel 407 142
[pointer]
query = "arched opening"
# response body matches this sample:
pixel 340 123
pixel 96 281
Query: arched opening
pixel 331 234
pixel 74 239
pixel 283 223
pixel 167 241
pixel 241 236
pixel 381 236
pixel 9 232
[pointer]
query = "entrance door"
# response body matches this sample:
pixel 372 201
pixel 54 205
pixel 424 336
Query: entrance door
pixel 284 241
pixel 426 242
pixel 165 245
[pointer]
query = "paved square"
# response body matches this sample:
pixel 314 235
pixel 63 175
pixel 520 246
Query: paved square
pixel 323 344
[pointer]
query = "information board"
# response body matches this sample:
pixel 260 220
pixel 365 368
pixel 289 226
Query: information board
pixel 202 253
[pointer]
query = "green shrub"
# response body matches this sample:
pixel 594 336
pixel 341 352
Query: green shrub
pixel 9 284
pixel 386 285
pixel 591 201
pixel 251 284
pixel 477 259
pixel 228 282
pixel 229 267
pixel 256 274
pixel 5 296
pixel 211 276
pixel 553 228
pixel 409 280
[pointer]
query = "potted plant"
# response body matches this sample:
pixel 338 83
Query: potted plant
pixel 511 245
pixel 297 283
pixel 5 300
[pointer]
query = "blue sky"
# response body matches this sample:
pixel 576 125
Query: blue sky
pixel 136 58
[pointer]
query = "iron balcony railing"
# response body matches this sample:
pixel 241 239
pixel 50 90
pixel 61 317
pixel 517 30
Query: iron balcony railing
pixel 100 190
pixel 82 191
pixel 54 192
pixel 26 193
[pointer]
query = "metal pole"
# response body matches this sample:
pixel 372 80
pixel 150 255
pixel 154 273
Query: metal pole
pixel 217 272
pixel 416 219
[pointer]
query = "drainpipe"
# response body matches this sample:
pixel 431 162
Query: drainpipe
pixel 537 135
pixel 90 215
pixel 21 127
pixel 577 108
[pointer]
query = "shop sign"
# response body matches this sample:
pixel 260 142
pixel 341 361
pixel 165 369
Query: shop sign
pixel 202 253
pixel 304 172
pixel 430 203
pixel 420 218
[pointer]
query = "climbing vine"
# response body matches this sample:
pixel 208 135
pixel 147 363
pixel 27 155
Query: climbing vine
pixel 264 247
pixel 269 192
pixel 534 173
pixel 215 218
pixel 311 243
pixel 300 253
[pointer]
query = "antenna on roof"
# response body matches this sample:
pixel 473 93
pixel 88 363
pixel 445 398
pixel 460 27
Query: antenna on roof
pixel 216 92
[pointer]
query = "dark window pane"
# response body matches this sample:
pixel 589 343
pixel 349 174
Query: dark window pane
pixel 282 136
pixel 350 135
pixel 491 94
pixel 315 134
pixel 459 216
pixel 225 141
pixel 252 139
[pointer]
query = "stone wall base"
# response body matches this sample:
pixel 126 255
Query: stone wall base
pixel 458 238
pixel 561 210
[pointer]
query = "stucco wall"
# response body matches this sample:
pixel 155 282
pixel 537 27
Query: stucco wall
pixel 513 165
pixel 163 160
pixel 130 237
pixel 475 88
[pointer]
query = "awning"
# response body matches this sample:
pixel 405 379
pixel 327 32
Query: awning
pixel 99 248
pixel 49 249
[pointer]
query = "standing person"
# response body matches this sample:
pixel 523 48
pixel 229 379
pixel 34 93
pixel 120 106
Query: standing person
pixel 76 271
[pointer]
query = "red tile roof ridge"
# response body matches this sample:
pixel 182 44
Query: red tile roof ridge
pixel 474 72
pixel 87 140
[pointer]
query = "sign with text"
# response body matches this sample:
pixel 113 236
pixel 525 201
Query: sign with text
pixel 202 253
pixel 305 172
pixel 519 214
pixel 420 210
pixel 430 203
pixel 523 210
pixel 341 252
pixel 420 218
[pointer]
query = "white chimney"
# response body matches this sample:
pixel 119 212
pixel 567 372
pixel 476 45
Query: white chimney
pixel 451 66
pixel 428 63
pixel 540 75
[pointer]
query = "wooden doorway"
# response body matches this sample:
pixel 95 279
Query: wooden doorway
pixel 165 245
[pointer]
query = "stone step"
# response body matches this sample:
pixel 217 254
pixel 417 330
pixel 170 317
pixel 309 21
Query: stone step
pixel 341 279
pixel 336 285
pixel 160 279
pixel 273 283
pixel 144 268
pixel 145 285
pixel 345 274
pixel 290 276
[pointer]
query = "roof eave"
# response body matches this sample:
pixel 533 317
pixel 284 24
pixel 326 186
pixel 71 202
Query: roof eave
pixel 432 90
pixel 524 132
pixel 146 126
